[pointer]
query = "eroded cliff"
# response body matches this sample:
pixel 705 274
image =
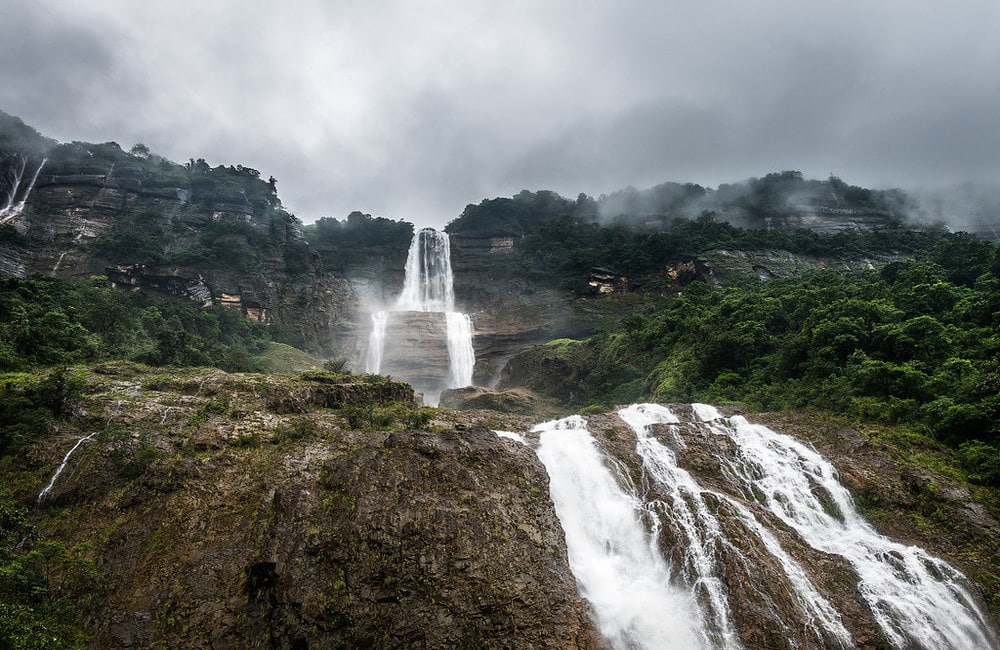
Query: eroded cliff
pixel 268 511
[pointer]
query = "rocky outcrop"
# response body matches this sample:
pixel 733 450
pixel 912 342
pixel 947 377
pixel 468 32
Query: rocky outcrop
pixel 214 236
pixel 828 220
pixel 517 401
pixel 416 349
pixel 722 268
pixel 217 518
pixel 247 511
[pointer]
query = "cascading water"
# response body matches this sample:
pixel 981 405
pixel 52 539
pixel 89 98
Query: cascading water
pixel 376 342
pixel 428 284
pixel 461 356
pixel 14 207
pixel 659 557
pixel 52 481
pixel 917 600
pixel 687 511
pixel 429 287
pixel 618 568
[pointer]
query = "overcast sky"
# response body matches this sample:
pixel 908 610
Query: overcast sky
pixel 411 109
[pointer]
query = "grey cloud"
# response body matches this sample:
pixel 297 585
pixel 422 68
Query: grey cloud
pixel 412 111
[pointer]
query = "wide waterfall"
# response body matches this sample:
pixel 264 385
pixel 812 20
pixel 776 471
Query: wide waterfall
pixel 614 559
pixel 422 324
pixel 720 533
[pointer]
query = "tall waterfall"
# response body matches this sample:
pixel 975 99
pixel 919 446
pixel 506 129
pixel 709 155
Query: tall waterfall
pixel 428 287
pixel 720 557
pixel 429 283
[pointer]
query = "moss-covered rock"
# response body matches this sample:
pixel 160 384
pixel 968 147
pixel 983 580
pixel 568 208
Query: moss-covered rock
pixel 228 510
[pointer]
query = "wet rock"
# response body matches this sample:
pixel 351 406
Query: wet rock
pixel 508 401
pixel 326 538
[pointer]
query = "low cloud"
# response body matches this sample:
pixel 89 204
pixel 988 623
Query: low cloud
pixel 410 111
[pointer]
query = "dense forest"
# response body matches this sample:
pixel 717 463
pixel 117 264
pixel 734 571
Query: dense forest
pixel 356 241
pixel 52 322
pixel 915 342
pixel 560 240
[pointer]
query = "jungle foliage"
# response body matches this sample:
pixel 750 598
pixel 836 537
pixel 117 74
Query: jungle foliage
pixel 44 585
pixel 916 342
pixel 359 240
pixel 561 240
pixel 49 322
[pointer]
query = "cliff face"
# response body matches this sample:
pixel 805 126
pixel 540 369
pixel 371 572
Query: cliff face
pixel 721 268
pixel 510 314
pixel 212 235
pixel 247 511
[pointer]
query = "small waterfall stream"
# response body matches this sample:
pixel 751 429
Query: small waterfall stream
pixel 13 207
pixel 52 481
pixel 646 595
pixel 428 286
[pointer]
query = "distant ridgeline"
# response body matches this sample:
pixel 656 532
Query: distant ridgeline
pixel 220 236
pixel 211 235
pixel 634 238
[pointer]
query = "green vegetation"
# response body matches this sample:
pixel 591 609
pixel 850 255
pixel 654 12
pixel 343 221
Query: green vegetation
pixel 562 240
pixel 280 357
pixel 30 402
pixel 51 322
pixel 371 416
pixel 915 343
pixel 44 585
pixel 359 240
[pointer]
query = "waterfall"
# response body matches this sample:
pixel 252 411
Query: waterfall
pixel 461 356
pixel 428 287
pixel 428 284
pixel 664 560
pixel 615 561
pixel 13 207
pixel 688 511
pixel 52 481
pixel 918 600
pixel 376 342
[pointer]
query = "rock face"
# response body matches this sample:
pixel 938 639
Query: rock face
pixel 212 235
pixel 417 349
pixel 722 268
pixel 509 315
pixel 250 527
pixel 226 510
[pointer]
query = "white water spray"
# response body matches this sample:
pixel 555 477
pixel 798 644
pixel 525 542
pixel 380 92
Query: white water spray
pixel 461 356
pixel 429 287
pixel 13 208
pixel 615 561
pixel 376 342
pixel 917 599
